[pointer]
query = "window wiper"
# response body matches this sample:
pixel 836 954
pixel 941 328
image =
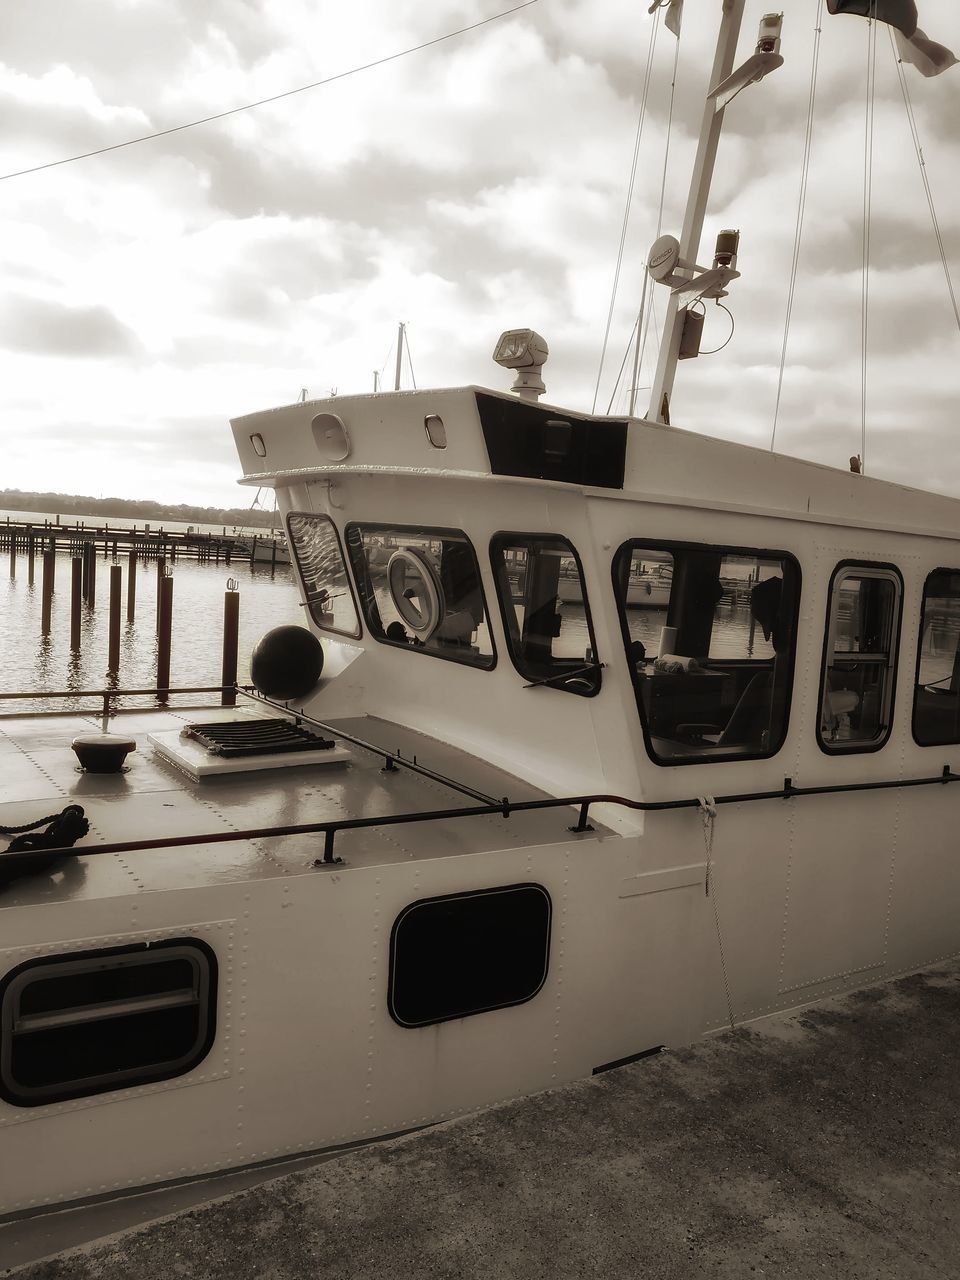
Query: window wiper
pixel 566 675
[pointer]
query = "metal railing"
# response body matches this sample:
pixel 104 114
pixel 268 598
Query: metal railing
pixel 489 806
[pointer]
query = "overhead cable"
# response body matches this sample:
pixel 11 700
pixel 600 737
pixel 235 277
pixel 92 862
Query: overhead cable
pixel 276 97
pixel 867 221
pixel 629 201
pixel 915 134
pixel 801 206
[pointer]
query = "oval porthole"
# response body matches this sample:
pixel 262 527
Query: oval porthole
pixel 259 448
pixel 416 592
pixel 330 436
pixel 436 431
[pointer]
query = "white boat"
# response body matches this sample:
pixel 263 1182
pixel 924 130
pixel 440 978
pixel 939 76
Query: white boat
pixel 522 847
pixel 646 589
pixel 269 548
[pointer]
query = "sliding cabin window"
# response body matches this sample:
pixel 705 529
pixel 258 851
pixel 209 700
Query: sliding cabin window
pixel 95 1021
pixel 420 589
pixel 468 953
pixel 326 587
pixel 860 656
pixel 936 705
pixel 546 617
pixel 710 638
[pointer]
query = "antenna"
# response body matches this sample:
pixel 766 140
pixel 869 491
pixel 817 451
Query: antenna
pixel 765 59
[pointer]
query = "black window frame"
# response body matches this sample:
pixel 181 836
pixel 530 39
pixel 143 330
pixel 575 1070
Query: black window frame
pixel 916 681
pixel 407 911
pixel 868 567
pixel 291 543
pixel 421 531
pixel 498 568
pixel 75 963
pixel 669 545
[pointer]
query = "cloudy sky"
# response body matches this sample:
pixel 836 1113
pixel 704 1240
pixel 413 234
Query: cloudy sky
pixel 151 293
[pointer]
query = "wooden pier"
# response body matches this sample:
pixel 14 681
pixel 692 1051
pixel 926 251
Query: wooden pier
pixel 261 547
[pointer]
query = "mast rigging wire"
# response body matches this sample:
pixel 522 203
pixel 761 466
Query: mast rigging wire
pixel 644 333
pixel 276 97
pixel 867 213
pixel 406 343
pixel 801 208
pixel 915 134
pixel 629 201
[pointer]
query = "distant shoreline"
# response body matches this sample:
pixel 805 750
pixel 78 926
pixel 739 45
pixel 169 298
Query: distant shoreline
pixel 77 506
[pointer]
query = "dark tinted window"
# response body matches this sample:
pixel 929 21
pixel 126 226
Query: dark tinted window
pixel 710 635
pixel 524 439
pixel 468 953
pixel 543 600
pixel 936 707
pixel 102 1020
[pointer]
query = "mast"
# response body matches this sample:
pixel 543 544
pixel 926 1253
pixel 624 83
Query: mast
pixel 727 38
pixel 396 381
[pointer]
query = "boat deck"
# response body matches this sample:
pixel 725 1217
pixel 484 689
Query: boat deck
pixel 153 799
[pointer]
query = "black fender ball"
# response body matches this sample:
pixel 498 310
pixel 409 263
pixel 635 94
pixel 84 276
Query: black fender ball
pixel 286 663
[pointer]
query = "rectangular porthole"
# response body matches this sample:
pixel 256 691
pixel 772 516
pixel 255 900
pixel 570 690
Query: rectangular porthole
pixel 95 1021
pixel 468 953
pixel 936 704
pixel 860 657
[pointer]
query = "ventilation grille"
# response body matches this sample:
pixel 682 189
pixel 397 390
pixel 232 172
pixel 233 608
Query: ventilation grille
pixel 255 738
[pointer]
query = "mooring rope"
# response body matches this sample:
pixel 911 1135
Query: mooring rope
pixel 708 816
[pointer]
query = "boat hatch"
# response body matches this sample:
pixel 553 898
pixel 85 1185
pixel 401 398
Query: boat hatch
pixel 245 745
pixel 256 737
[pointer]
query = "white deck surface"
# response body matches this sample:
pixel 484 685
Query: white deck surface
pixel 39 775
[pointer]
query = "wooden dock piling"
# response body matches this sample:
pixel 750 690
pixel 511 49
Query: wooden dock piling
pixel 46 607
pixel 92 574
pixel 131 585
pixel 161 573
pixel 116 587
pixel 231 644
pixel 163 637
pixel 76 600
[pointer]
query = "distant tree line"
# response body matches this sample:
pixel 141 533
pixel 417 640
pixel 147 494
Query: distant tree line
pixel 55 504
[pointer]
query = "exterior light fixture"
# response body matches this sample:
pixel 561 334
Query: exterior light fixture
pixel 527 352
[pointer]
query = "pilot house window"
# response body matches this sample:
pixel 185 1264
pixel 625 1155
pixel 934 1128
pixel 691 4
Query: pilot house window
pixel 420 589
pixel 936 709
pixel 710 636
pixel 544 604
pixel 326 588
pixel 856 699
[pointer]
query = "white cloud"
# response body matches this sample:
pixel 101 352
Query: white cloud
pixel 471 187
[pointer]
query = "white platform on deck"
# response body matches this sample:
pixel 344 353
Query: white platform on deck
pixel 194 759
